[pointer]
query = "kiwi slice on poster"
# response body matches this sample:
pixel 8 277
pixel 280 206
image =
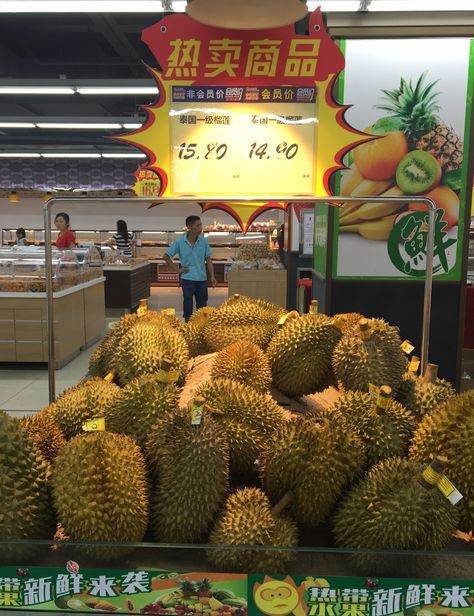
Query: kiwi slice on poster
pixel 418 172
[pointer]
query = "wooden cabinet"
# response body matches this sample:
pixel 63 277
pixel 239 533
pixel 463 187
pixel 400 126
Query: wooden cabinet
pixel 270 285
pixel 79 321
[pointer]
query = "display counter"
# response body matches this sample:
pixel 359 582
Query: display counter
pixel 78 303
pixel 270 285
pixel 79 321
pixel 162 275
pixel 126 283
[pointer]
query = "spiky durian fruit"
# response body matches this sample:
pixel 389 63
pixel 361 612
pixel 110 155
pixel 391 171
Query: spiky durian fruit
pixel 191 464
pixel 300 354
pixel 45 432
pixel 391 509
pixel 245 362
pixel 248 417
pixel 347 320
pixel 90 399
pixel 449 432
pixel 102 361
pixel 386 432
pixel 143 348
pixel 247 519
pixel 139 404
pixel 26 511
pixel 314 458
pixel 100 491
pixel 160 319
pixel 242 320
pixel 194 332
pixel 369 354
pixel 422 396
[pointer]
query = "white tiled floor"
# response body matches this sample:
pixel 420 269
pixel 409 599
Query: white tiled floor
pixel 25 390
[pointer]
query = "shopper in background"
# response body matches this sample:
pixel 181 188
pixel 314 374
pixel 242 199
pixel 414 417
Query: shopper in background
pixel 123 239
pixel 194 256
pixel 66 238
pixel 281 243
pixel 21 237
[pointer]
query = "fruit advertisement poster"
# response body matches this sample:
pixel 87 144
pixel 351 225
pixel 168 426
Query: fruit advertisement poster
pixel 416 96
pixel 345 596
pixel 74 589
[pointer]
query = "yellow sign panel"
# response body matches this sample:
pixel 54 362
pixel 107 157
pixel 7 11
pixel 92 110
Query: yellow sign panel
pixel 243 149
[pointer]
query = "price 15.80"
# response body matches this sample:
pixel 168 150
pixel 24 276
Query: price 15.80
pixel 217 151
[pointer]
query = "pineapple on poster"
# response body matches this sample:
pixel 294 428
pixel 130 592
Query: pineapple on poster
pixel 415 96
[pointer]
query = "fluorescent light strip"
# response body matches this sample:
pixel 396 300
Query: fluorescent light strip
pixel 19 155
pixel 334 6
pixel 118 90
pixel 68 155
pixel 120 155
pixel 80 6
pixel 17 125
pixel 421 5
pixel 72 155
pixel 79 125
pixel 132 125
pixel 35 90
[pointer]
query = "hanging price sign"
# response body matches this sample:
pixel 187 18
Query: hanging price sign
pixel 243 139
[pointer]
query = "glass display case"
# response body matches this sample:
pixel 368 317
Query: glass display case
pixel 23 269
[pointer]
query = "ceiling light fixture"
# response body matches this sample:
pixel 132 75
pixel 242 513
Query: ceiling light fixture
pixel 334 6
pixel 80 6
pixel 78 125
pixel 13 197
pixel 420 5
pixel 69 155
pixel 123 155
pixel 35 90
pixel 17 125
pixel 132 125
pixel 246 14
pixel 118 90
pixel 19 155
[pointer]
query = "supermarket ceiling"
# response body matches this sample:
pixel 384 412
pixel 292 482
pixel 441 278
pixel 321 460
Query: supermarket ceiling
pixel 75 50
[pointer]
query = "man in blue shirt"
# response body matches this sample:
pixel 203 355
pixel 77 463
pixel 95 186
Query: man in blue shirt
pixel 194 256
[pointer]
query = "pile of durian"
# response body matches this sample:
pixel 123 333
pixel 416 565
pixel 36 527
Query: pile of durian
pixel 249 458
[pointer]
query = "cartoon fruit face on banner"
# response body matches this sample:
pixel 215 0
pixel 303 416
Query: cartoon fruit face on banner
pixel 246 114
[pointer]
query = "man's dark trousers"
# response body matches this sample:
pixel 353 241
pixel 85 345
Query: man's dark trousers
pixel 191 289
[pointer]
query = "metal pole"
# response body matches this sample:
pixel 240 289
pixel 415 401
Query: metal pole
pixel 49 298
pixel 332 200
pixel 425 339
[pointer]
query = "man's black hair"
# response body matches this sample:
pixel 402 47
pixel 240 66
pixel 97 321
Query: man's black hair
pixel 190 220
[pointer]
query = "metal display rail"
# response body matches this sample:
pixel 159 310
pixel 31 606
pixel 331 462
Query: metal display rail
pixel 331 200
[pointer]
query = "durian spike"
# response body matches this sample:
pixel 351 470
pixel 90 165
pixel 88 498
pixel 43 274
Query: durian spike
pixel 284 501
pixel 431 373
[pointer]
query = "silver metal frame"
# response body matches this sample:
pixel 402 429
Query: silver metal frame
pixel 327 199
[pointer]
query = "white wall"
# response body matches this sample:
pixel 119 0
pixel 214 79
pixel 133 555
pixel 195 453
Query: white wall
pixel 95 215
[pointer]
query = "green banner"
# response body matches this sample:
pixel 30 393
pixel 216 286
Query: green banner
pixel 227 594
pixel 134 592
pixel 348 596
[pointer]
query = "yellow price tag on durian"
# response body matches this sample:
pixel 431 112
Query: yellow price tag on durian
pixel 448 490
pixel 168 376
pixel 108 378
pixel 196 415
pixel 168 312
pixel 413 365
pixel 141 311
pixel 407 347
pixel 94 425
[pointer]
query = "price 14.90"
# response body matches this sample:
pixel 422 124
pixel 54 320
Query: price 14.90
pixel 217 151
